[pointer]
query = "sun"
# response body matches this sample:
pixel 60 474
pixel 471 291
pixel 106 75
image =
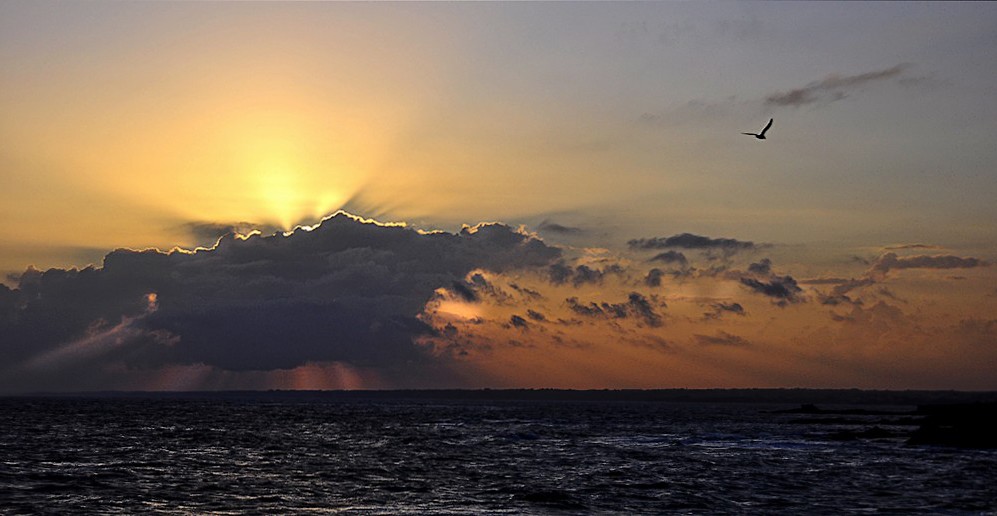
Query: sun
pixel 274 169
pixel 279 190
pixel 289 180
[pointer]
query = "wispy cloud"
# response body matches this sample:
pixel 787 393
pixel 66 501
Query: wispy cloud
pixel 719 309
pixel 553 227
pixel 891 261
pixel 833 87
pixel 722 339
pixel 901 247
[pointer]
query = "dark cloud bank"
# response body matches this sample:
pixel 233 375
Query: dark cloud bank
pixel 349 290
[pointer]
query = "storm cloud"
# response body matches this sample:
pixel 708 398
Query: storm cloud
pixel 346 290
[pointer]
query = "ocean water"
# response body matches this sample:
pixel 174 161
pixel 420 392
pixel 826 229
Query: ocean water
pixel 188 455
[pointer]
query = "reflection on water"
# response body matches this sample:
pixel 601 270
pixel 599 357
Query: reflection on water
pixel 187 455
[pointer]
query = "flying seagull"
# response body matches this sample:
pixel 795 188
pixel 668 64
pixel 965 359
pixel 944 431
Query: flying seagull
pixel 761 135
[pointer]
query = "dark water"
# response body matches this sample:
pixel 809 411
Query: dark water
pixel 266 456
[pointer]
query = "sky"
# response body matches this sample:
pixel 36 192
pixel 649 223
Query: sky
pixel 324 195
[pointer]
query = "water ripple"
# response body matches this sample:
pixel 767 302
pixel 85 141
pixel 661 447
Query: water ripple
pixel 190 456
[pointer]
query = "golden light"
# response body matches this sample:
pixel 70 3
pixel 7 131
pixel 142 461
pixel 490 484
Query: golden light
pixel 289 177
pixel 459 310
pixel 152 302
pixel 277 185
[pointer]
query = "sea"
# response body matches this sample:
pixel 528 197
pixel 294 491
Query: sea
pixel 401 453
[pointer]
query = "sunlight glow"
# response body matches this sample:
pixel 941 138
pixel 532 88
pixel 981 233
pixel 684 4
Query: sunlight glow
pixel 458 309
pixel 284 180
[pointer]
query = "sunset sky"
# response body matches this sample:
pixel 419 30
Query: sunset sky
pixel 316 195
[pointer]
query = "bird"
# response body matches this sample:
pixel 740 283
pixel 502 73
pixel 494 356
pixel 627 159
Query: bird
pixel 761 135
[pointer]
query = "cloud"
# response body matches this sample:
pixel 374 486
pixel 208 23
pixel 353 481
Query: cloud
pixel 560 273
pixel 585 274
pixel 833 87
pixel 762 267
pixel 347 290
pixel 911 246
pixel 526 292
pixel 719 309
pixel 552 227
pixel 481 286
pixel 696 111
pixel 207 233
pixel 691 241
pixel 890 261
pixel 641 307
pixel 976 332
pixel 860 259
pixel 653 278
pixel 823 281
pixel 536 316
pixel 636 306
pixel 760 279
pixel 671 257
pixel 464 291
pixel 783 288
pixel 713 248
pixel 518 322
pixel 885 292
pixel 875 318
pixel 722 339
pixel 839 294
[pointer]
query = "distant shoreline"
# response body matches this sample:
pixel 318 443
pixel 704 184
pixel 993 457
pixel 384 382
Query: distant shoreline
pixel 774 396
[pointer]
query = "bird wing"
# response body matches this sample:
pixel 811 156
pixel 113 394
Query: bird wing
pixel 767 126
pixel 750 134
